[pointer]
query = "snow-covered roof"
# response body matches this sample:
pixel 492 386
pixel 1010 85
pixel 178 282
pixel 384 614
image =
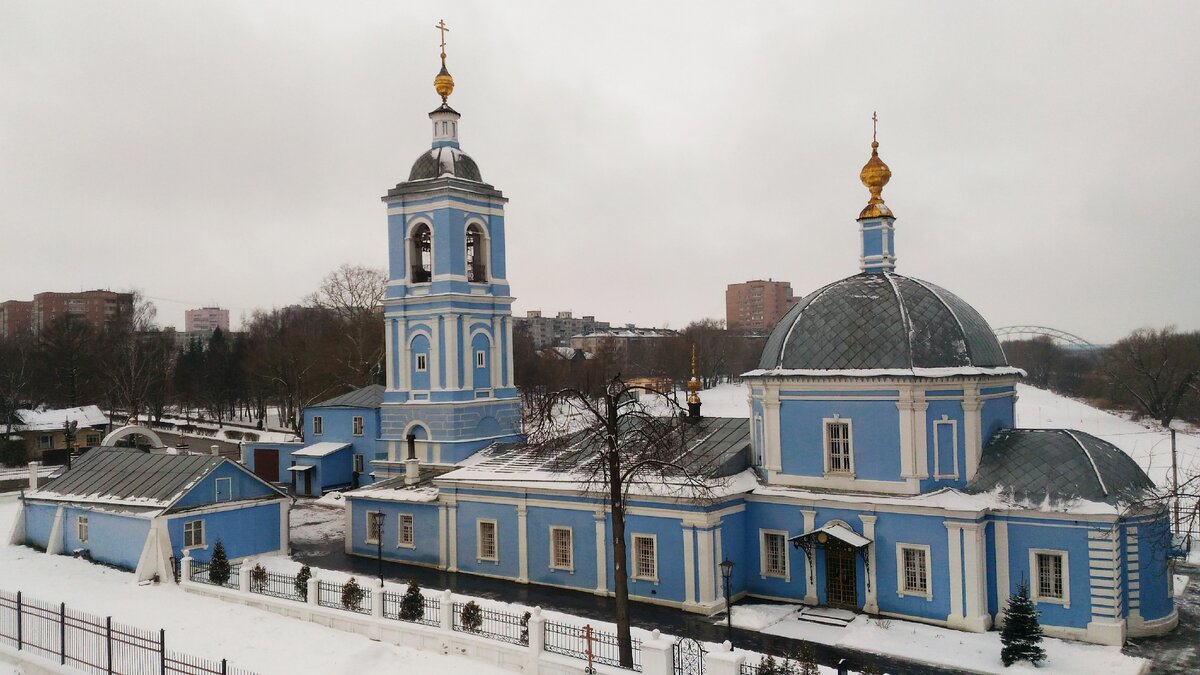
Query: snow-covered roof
pixel 323 449
pixel 395 490
pixel 370 396
pixel 54 419
pixel 127 477
pixel 838 531
pixel 960 371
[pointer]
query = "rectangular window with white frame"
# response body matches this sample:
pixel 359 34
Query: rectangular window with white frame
pixel 1050 572
pixel 405 536
pixel 193 534
pixel 357 425
pixel 645 557
pixel 422 363
pixel 481 359
pixel 773 554
pixel 561 557
pixel 374 527
pixel 485 540
pixel 839 446
pixel 81 528
pixel 913 571
pixel 318 425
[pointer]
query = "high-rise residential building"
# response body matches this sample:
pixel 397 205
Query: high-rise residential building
pixel 756 306
pixel 16 318
pixel 98 309
pixel 206 319
pixel 556 331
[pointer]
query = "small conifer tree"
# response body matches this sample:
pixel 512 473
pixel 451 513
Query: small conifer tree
pixel 258 579
pixel 352 594
pixel 412 605
pixel 302 581
pixel 808 660
pixel 472 617
pixel 1022 635
pixel 218 567
pixel 525 627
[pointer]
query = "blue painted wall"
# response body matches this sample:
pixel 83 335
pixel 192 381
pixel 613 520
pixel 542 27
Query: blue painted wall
pixel 505 515
pixel 583 547
pixel 426 543
pixel 39 520
pixel 112 538
pixel 996 414
pixel 876 436
pixel 1153 539
pixel 246 531
pixel 897 528
pixel 245 486
pixel 1025 534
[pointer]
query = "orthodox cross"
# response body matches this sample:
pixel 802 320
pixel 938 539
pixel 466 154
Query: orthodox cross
pixel 874 127
pixel 441 26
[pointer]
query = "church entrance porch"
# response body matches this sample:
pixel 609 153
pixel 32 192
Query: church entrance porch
pixel 839 548
pixel 841 580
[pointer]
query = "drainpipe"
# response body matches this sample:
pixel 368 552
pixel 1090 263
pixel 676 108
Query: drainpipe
pixel 412 468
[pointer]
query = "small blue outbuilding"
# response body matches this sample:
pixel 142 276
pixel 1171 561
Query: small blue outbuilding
pixel 139 511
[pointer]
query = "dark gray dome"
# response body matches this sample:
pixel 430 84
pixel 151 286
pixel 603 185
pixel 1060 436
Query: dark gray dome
pixel 445 160
pixel 881 321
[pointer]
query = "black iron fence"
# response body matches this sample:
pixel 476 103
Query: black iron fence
pixel 202 573
pixel 338 596
pixel 580 642
pixel 491 623
pixel 277 585
pixel 430 609
pixel 750 668
pixel 94 644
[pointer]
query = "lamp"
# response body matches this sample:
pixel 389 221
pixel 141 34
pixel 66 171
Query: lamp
pixel 726 573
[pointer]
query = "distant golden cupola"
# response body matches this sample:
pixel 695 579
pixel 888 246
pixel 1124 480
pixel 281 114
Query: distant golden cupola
pixel 443 83
pixel 875 174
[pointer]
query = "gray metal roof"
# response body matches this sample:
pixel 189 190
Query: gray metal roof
pixel 445 160
pixel 370 396
pixel 1063 464
pixel 881 321
pixel 128 475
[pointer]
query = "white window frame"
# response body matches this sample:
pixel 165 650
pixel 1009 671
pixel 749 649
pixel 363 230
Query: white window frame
pixel 217 489
pixel 902 572
pixel 479 552
pixel 46 442
pixel 764 567
pixel 937 469
pixel 635 546
pixel 406 536
pixel 569 565
pixel 356 425
pixel 318 424
pixel 370 536
pixel 1035 577
pixel 195 527
pixel 422 363
pixel 81 528
pixel 359 463
pixel 480 358
pixel 827 450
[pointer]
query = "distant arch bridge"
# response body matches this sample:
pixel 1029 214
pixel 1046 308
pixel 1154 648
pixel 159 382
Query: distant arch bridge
pixel 1060 337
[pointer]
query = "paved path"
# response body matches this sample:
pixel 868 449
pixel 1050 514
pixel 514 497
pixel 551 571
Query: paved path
pixel 1179 650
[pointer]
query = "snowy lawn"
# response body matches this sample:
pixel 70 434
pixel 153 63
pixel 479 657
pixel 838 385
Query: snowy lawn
pixel 207 627
pixel 975 652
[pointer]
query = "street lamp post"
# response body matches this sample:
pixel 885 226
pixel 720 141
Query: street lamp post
pixel 378 527
pixel 726 573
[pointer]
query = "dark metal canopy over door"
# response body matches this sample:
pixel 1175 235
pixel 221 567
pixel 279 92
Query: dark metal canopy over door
pixel 841 581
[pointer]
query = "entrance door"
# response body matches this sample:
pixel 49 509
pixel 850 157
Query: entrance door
pixel 308 483
pixel 266 464
pixel 841 584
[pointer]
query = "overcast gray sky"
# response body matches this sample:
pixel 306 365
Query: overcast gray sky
pixel 1044 155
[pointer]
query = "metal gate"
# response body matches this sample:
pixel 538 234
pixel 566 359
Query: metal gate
pixel 689 657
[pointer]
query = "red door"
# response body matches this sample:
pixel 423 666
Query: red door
pixel 266 464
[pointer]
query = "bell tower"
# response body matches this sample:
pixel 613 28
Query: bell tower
pixel 876 220
pixel 448 309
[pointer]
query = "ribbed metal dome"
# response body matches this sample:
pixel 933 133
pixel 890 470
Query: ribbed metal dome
pixel 445 160
pixel 881 321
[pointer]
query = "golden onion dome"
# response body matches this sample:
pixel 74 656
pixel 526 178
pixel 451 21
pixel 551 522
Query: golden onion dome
pixel 874 175
pixel 444 83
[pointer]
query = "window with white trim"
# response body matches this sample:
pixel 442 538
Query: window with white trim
pixel 358 463
pixel 839 458
pixel 422 363
pixel 318 425
pixel 193 533
pixel 81 528
pixel 560 549
pixel 405 535
pixel 1050 579
pixel 913 571
pixel 374 527
pixel 357 425
pixel 645 557
pixel 486 548
pixel 774 554
pixel 481 359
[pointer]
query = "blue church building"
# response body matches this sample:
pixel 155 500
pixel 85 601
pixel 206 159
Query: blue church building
pixel 878 469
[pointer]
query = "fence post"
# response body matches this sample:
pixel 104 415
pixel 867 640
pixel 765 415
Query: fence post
pixel 185 570
pixel 377 599
pixel 108 642
pixel 19 622
pixel 447 611
pixel 537 632
pixel 62 633
pixel 244 579
pixel 224 666
pixel 314 591
pixel 658 655
pixel 723 661
pixel 162 651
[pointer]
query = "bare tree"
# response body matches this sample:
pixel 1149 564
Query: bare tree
pixel 16 373
pixel 1156 370
pixel 137 357
pixel 614 443
pixel 354 295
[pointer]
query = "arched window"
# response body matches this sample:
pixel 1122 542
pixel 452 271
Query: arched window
pixel 476 255
pixel 421 254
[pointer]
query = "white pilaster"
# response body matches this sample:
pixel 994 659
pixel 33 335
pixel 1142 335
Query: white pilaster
pixel 452 536
pixel 954 546
pixel 435 362
pixel 707 569
pixel 453 358
pixel 508 352
pixel 467 355
pixel 601 554
pixel 972 428
pixel 497 364
pixel 523 543
pixel 977 617
pixel 719 557
pixel 810 573
pixel 443 536
pixel 871 606
pixel 689 565
pixel 405 357
pixel 921 435
pixel 1003 582
pixel 389 352
pixel 771 413
pixel 907 435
